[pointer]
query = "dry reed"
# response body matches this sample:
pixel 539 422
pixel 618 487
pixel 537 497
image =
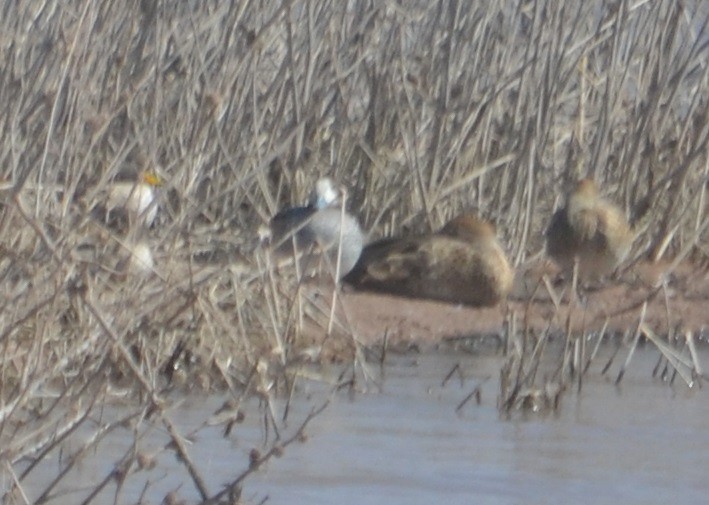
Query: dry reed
pixel 422 109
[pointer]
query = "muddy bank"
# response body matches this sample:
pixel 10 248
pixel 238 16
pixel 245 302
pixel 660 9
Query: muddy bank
pixel 681 305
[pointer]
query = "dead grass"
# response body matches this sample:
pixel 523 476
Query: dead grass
pixel 423 109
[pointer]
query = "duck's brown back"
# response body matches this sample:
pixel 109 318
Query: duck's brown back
pixel 440 266
pixel 589 229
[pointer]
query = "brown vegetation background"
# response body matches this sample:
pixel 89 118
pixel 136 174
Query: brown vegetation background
pixel 422 109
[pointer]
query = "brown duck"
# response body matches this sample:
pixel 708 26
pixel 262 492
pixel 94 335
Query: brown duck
pixel 589 230
pixel 462 263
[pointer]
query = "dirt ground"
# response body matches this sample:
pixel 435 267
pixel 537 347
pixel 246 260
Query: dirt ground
pixel 681 305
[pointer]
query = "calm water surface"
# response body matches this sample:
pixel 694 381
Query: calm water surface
pixel 640 443
pixel 643 442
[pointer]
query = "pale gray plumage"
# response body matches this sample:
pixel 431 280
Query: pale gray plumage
pixel 309 231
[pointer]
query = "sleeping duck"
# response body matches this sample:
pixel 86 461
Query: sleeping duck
pixel 321 226
pixel 589 230
pixel 462 263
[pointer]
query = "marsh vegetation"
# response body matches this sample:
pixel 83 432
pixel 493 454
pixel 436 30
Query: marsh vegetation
pixel 422 109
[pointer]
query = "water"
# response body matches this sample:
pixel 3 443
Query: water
pixel 643 442
pixel 640 443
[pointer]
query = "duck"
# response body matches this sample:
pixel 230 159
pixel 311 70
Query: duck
pixel 319 227
pixel 134 199
pixel 588 230
pixel 462 263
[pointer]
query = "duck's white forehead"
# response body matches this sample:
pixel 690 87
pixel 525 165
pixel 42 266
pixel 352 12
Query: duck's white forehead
pixel 325 191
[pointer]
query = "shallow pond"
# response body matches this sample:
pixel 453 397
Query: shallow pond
pixel 405 442
pixel 642 442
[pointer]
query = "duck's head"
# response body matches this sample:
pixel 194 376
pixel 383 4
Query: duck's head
pixel 325 194
pixel 133 175
pixel 469 227
pixel 151 178
pixel 586 188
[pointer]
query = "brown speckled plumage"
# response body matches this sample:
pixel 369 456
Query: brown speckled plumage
pixel 590 229
pixel 462 263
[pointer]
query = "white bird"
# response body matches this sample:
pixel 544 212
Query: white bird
pixel 135 198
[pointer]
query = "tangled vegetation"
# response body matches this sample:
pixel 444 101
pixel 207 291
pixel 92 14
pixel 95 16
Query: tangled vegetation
pixel 422 109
